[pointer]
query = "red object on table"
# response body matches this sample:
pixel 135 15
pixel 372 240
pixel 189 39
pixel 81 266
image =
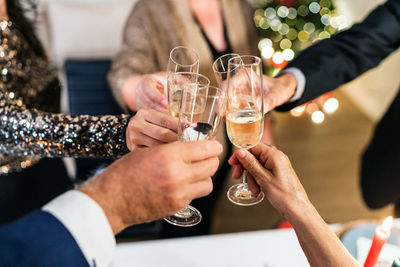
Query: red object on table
pixel 381 235
pixel 284 225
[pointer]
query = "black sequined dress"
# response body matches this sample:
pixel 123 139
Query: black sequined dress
pixel 29 102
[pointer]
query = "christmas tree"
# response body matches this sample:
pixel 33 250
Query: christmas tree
pixel 288 26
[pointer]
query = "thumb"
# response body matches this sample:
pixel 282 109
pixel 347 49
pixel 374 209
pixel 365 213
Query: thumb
pixel 252 165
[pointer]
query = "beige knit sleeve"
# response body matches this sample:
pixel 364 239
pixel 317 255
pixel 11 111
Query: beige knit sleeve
pixel 137 55
pixel 248 13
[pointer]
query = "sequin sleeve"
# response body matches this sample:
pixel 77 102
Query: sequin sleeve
pixel 26 132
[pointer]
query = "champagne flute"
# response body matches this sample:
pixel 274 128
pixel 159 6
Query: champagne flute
pixel 177 83
pixel 220 69
pixel 244 117
pixel 199 116
pixel 181 59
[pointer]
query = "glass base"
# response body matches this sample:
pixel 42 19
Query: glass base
pixel 241 195
pixel 190 216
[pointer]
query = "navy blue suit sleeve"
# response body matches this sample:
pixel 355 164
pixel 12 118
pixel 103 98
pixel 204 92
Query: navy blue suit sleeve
pixel 39 239
pixel 348 54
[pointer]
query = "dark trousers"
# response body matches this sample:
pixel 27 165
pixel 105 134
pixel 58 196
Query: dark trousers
pixel 25 191
pixel 380 167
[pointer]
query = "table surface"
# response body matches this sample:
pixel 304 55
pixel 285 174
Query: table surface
pixel 267 248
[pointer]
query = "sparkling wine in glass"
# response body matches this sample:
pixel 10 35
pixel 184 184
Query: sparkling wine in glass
pixel 201 112
pixel 244 116
pixel 181 59
pixel 177 82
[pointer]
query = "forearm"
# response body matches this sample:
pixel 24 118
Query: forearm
pixel 320 244
pixel 33 132
pixel 129 92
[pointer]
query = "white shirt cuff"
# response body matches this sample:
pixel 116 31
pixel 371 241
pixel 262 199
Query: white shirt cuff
pixel 301 82
pixel 87 223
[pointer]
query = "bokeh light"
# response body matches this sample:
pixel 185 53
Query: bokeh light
pixel 325 19
pixel 284 29
pixel 324 11
pixel 331 105
pixel 302 10
pixel 285 44
pixel 267 52
pixel 264 42
pixel 292 34
pixel 292 13
pixel 283 12
pixel 297 112
pixel 303 36
pixel 278 58
pixel 276 24
pixel 270 13
pixel 288 54
pixel 325 3
pixel 318 117
pixel 324 35
pixel 277 38
pixel 309 27
pixel 314 7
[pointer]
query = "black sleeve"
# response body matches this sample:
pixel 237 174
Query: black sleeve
pixel 345 56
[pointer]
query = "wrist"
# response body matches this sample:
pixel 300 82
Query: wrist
pixel 288 83
pixel 129 89
pixel 96 191
pixel 296 208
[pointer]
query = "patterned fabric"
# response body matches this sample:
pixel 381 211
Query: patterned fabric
pixel 29 99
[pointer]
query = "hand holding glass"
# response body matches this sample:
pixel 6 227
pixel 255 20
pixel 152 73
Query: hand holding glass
pixel 244 117
pixel 200 114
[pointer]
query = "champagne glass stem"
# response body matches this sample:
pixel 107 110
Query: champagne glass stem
pixel 185 213
pixel 244 177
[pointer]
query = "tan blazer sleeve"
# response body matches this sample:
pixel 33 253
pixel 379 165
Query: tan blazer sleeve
pixel 137 55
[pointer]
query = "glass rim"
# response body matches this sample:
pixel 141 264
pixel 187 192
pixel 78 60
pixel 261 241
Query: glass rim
pixel 222 94
pixel 257 61
pixel 218 89
pixel 187 48
pixel 197 74
pixel 215 62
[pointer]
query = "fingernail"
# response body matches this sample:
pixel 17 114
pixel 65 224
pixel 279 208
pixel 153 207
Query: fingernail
pixel 164 103
pixel 241 153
